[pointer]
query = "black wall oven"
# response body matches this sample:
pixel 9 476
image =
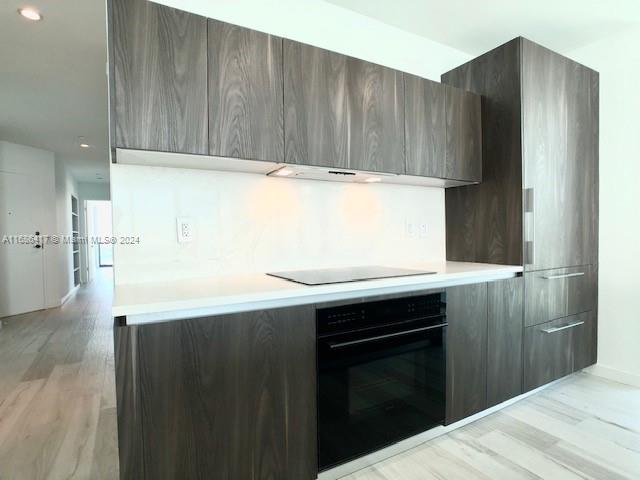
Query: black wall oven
pixel 381 374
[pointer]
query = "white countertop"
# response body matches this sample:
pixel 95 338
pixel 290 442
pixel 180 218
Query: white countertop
pixel 196 297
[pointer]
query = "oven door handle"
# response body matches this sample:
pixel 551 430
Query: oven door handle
pixel 381 337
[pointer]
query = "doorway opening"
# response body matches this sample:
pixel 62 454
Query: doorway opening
pixel 99 234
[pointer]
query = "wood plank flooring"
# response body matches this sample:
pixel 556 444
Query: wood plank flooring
pixel 57 390
pixel 584 427
pixel 58 415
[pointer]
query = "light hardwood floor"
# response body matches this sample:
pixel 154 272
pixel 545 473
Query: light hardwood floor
pixel 583 427
pixel 58 416
pixel 57 390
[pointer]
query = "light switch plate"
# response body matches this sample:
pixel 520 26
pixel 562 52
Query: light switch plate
pixel 184 227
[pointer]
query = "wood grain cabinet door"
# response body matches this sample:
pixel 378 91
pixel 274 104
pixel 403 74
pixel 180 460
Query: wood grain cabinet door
pixel 464 135
pixel 560 156
pixel 159 89
pixel 245 93
pixel 466 351
pixel 376 110
pixel 226 397
pixel 342 112
pixel 504 339
pixel 425 127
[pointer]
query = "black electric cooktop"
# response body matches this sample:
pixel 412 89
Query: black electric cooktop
pixel 326 276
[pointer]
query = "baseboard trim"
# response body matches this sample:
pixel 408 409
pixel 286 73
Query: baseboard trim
pixel 404 445
pixel 70 294
pixel 614 374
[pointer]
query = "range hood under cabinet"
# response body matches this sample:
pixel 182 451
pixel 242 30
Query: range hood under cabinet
pixel 280 170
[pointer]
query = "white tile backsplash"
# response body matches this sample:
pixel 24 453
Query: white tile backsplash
pixel 247 223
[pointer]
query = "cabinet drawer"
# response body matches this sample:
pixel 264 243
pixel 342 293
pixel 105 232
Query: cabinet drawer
pixel 551 294
pixel 558 348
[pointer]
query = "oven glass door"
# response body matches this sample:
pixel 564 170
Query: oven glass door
pixel 376 388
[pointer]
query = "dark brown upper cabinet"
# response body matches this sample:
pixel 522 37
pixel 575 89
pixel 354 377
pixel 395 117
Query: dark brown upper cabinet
pixel 463 160
pixel 182 83
pixel 537 205
pixel 245 93
pixel 342 112
pixel 425 127
pixel 158 65
pixel 443 134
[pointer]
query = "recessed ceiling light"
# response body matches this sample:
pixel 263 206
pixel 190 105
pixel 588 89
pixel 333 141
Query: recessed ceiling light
pixel 30 13
pixel 84 145
pixel 373 180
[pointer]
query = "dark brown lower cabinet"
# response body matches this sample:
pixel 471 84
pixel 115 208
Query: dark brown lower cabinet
pixel 129 438
pixel 504 339
pixel 234 396
pixel 466 351
pixel 227 397
pixel 558 348
pixel 561 292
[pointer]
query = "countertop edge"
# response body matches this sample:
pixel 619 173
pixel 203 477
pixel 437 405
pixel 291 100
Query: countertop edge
pixel 192 308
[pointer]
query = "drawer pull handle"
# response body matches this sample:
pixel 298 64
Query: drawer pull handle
pixel 564 275
pixel 557 329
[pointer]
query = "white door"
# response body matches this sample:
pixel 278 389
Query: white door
pixel 21 265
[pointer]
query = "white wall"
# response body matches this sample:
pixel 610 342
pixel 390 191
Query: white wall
pixel 334 28
pixel 254 223
pixel 39 164
pixel 65 187
pixel 93 190
pixel 618 61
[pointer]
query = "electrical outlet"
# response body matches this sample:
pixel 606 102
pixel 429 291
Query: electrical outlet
pixel 409 229
pixel 423 230
pixel 184 229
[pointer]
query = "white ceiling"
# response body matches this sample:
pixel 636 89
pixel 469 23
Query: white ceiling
pixel 475 27
pixel 53 84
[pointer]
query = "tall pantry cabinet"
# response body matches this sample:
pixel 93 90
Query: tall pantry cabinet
pixel 538 203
